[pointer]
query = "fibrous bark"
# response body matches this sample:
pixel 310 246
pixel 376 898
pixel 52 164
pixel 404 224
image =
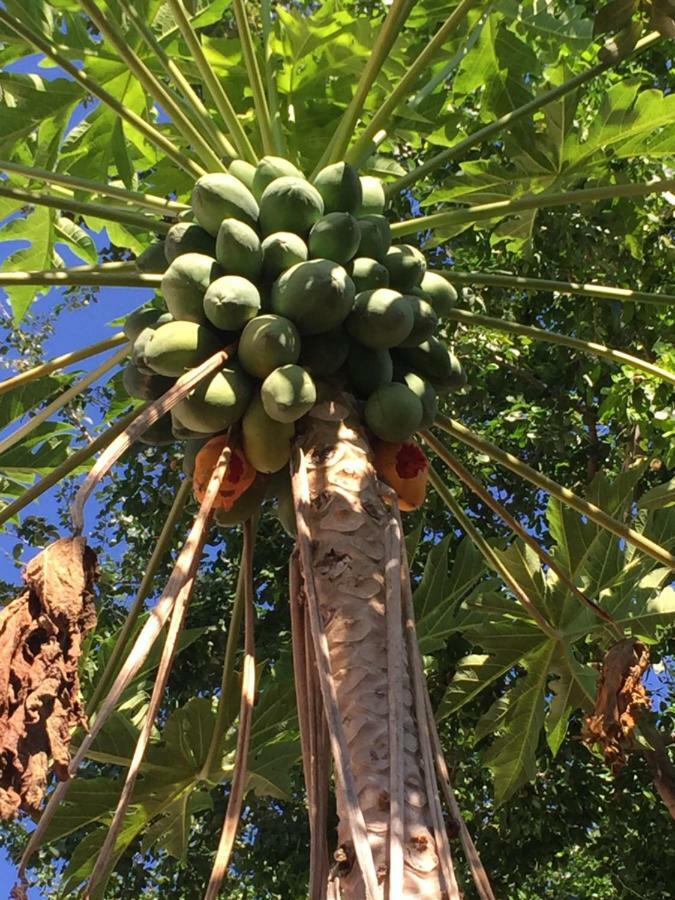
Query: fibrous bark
pixel 347 518
pixel 41 633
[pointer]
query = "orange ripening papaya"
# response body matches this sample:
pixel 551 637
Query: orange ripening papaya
pixel 239 476
pixel 405 468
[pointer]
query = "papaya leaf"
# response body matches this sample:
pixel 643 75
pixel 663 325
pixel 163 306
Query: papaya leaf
pixel 472 675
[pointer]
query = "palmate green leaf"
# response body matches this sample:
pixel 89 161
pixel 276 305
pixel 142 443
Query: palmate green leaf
pixel 76 239
pixel 25 397
pixel 44 449
pixel 472 675
pixel 27 101
pixel 659 497
pixel 438 593
pixel 511 757
pixel 572 687
pixel 37 230
pixel 556 28
pixel 171 831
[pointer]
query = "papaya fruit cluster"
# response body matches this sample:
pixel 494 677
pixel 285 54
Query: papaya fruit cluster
pixel 302 280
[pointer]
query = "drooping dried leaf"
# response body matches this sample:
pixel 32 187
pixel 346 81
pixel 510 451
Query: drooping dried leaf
pixel 620 698
pixel 41 633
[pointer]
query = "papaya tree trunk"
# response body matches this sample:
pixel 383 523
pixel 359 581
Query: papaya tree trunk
pixel 346 519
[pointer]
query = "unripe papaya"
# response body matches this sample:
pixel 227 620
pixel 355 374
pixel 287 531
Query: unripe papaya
pixel 176 347
pixel 368 274
pixel 141 342
pixel 279 488
pixel 406 265
pixel 375 237
pixel 290 204
pixel 288 393
pixel 186 237
pixel 426 393
pixel 335 236
pixel 340 188
pixel 243 171
pixel 282 250
pixel 380 319
pixel 368 369
pixel 230 302
pixel 238 249
pixel 393 412
pixel 269 169
pixel 425 321
pixel 184 284
pixel 159 434
pixel 143 386
pixel 219 196
pixel 217 402
pixel 436 363
pixel 266 343
pixel 372 197
pixel 439 292
pixel 316 295
pixel 140 319
pixel 267 442
pixel 245 506
pixel 152 260
pixel 183 433
pixel 323 354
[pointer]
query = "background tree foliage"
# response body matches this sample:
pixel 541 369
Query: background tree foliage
pixel 547 817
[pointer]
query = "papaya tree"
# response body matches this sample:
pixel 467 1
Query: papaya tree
pixel 288 183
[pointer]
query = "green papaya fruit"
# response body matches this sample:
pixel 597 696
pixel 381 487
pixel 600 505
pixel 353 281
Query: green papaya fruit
pixel 143 386
pixel 186 237
pixel 393 412
pixel 279 488
pixel 184 285
pixel 435 362
pixel 230 302
pixel 439 292
pixel 269 169
pixel 426 393
pixel 380 319
pixel 266 343
pixel 368 274
pixel 140 319
pixel 288 393
pixel 217 402
pixel 368 369
pixel 152 260
pixel 406 265
pixel 335 236
pixel 190 451
pixel 238 249
pixel 372 197
pixel 159 434
pixel 141 341
pixel 183 433
pixel 316 295
pixel 323 354
pixel 282 250
pixel 219 196
pixel 425 321
pixel 176 347
pixel 340 188
pixel 244 507
pixel 266 442
pixel 290 204
pixel 375 237
pixel 243 171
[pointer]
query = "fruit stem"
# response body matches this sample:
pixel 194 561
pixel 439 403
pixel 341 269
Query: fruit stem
pixel 501 208
pixel 272 95
pixel 60 362
pixel 564 495
pixel 99 210
pixel 159 140
pixel 508 119
pixel 597 291
pixel 552 337
pixel 212 83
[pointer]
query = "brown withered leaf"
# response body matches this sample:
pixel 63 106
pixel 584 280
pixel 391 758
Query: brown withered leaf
pixel 41 633
pixel 620 698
